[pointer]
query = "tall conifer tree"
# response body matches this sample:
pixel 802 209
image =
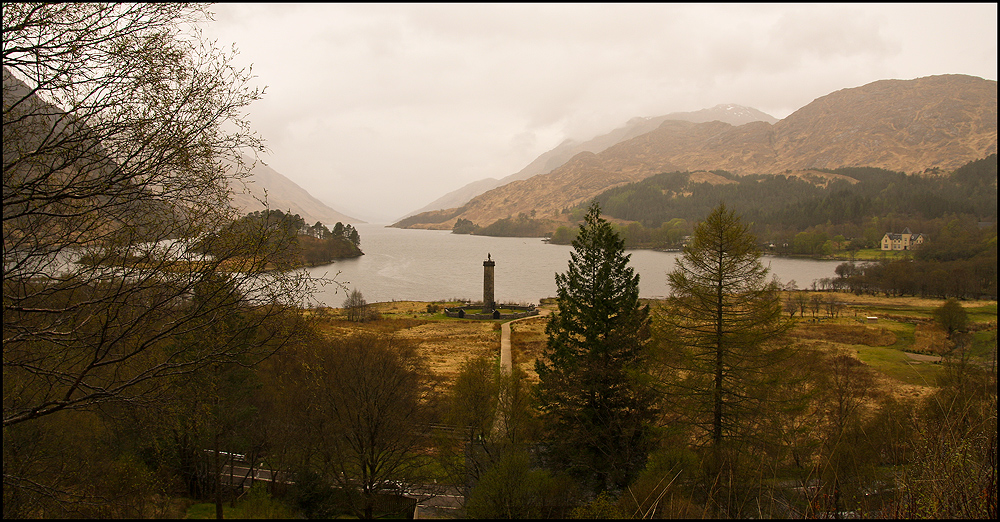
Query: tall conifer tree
pixel 594 396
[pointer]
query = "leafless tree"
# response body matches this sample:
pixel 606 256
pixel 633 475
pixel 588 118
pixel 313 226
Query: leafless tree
pixel 360 427
pixel 357 307
pixel 790 305
pixel 122 129
pixel 815 303
pixel 832 306
pixel 803 301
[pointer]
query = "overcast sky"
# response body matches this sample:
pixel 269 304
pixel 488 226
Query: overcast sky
pixel 379 109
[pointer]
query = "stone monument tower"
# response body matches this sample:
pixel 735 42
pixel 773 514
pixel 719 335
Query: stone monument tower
pixel 488 303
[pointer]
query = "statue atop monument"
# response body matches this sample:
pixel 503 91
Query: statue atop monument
pixel 489 304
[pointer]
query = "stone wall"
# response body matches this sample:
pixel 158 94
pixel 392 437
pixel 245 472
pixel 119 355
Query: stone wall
pixel 476 312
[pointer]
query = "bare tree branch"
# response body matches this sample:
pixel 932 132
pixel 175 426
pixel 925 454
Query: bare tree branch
pixel 122 128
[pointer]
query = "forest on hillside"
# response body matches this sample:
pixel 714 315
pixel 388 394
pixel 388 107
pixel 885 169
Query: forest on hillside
pixel 955 211
pixel 781 206
pixel 790 215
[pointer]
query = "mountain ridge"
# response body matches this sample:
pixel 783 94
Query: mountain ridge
pixel 556 157
pixel 901 125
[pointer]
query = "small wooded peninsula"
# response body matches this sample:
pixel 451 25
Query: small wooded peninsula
pixel 307 245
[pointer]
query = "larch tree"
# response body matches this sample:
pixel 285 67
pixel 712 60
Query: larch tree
pixel 722 326
pixel 595 398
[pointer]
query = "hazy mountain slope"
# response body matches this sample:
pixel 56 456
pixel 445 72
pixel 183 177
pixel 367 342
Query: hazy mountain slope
pixel 728 113
pixel 735 115
pixel 283 194
pixel 457 198
pixel 901 125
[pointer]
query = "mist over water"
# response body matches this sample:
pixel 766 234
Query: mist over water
pixel 432 265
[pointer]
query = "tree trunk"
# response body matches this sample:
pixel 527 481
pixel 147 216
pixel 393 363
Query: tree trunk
pixel 218 475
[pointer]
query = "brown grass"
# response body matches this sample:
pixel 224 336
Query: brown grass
pixel 444 344
pixel 339 327
pixel 447 343
pixel 845 334
pixel 527 342
pixel 931 339
pixel 868 301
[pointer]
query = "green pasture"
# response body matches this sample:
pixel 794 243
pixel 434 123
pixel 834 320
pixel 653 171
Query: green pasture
pixel 898 365
pixel 894 362
pixel 982 314
pixel 871 254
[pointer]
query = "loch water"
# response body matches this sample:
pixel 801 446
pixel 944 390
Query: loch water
pixel 434 265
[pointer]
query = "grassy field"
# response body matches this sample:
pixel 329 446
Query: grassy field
pixel 913 360
pixel 871 254
pixel 904 344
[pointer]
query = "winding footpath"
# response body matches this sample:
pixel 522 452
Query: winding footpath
pixel 506 362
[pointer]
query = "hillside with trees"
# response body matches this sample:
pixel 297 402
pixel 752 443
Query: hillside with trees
pixel 839 210
pixel 809 213
pixel 521 226
pixel 860 204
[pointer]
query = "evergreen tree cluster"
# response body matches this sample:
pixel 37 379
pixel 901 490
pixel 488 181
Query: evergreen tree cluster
pixel 312 245
pixel 464 226
pixel 523 225
pixel 780 206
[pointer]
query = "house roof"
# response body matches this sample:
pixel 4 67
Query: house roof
pixel 893 236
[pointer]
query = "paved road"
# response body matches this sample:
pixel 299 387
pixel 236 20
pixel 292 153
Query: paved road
pixel 506 365
pixel 505 358
pixel 433 500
